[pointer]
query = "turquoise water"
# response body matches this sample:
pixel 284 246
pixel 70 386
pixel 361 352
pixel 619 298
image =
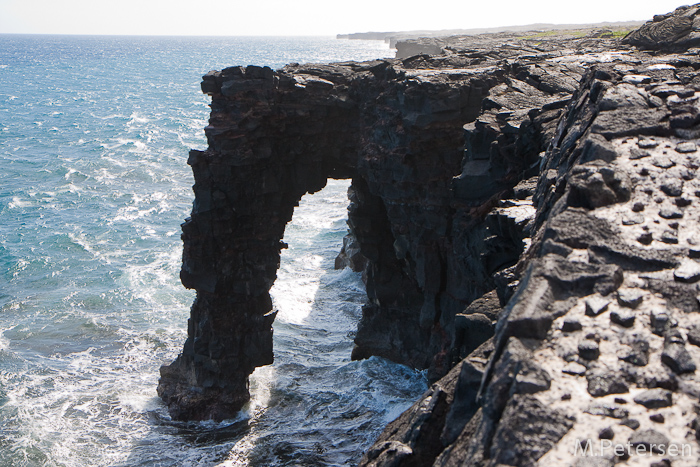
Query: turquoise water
pixel 94 136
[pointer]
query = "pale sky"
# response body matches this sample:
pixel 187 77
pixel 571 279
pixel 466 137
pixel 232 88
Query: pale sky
pixel 305 17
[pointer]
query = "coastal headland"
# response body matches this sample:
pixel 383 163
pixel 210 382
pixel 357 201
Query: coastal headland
pixel 525 209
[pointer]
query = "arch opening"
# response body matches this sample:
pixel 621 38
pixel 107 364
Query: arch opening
pixel 313 390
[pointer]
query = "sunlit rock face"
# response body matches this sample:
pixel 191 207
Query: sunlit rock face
pixel 599 341
pixel 525 213
pixel 424 208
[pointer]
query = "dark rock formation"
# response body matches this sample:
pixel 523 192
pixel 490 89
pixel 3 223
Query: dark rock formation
pixel 672 32
pixel 427 213
pixel 524 212
pixel 606 248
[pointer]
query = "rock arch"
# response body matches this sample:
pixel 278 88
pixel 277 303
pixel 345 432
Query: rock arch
pixel 418 204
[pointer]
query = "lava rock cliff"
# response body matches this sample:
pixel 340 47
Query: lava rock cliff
pixel 527 214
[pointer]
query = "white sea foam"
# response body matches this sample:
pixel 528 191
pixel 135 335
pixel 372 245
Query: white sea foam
pixel 90 235
pixel 17 203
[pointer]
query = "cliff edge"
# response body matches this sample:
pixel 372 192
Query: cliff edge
pixel 527 215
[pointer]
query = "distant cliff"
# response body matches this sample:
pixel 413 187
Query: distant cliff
pixel 527 214
pixel 406 42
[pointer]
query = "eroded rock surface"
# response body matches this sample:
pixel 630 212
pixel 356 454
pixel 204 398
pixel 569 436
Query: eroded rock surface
pixel 526 215
pixel 442 155
pixel 607 300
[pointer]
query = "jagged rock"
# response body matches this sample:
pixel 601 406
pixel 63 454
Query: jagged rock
pixel 351 255
pixel 527 430
pixel 608 410
pixel 682 295
pixel 532 379
pixel 688 272
pixel 622 318
pixel 655 398
pixel 603 383
pixel 573 368
pixel 660 321
pixel 588 349
pixel 414 437
pixel 694 335
pixel 465 404
pixel 674 31
pixel 638 354
pixel 571 326
pixel 675 355
pixel 630 298
pixel 593 187
pixel 652 440
pixel 498 188
pixel 596 305
pixel 389 453
pixel 475 325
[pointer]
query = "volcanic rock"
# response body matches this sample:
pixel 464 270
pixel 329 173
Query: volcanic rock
pixel 507 192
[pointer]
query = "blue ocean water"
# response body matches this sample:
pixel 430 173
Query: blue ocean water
pixel 94 136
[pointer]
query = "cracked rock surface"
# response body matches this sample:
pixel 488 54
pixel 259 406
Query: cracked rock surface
pixel 526 216
pixel 607 298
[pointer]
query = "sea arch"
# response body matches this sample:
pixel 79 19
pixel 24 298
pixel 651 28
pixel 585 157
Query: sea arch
pixel 275 136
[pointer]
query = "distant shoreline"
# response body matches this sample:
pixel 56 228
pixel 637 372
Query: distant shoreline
pixel 392 37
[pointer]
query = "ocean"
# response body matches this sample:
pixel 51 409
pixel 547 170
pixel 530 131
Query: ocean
pixel 94 139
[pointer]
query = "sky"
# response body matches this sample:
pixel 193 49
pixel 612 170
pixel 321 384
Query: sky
pixel 305 17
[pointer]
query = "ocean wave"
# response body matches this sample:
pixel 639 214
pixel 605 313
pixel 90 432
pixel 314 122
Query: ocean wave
pixel 94 305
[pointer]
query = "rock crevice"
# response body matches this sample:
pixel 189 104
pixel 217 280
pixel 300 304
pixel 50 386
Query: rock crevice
pixel 524 213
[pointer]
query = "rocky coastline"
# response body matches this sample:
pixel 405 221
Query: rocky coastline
pixel 525 211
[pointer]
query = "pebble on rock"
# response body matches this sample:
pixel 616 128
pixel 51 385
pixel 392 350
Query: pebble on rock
pixel 672 187
pixel 669 236
pixel 602 384
pixel 630 298
pixel 588 349
pixel 608 410
pixel 660 320
pixel 638 354
pixel 645 238
pixel 631 423
pixel 694 335
pixel 663 162
pixel 638 207
pixel 676 356
pixel 571 326
pixel 625 320
pixel 670 212
pixel 574 368
pixel 657 417
pixel 688 272
pixel 655 398
pixel 686 147
pixel 596 305
pixel 646 143
pixel 652 440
